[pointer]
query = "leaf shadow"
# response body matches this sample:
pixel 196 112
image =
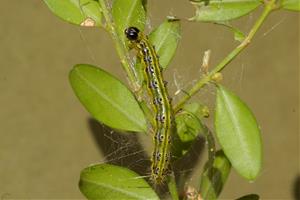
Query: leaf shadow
pixel 122 149
pixel 184 167
pixel 296 188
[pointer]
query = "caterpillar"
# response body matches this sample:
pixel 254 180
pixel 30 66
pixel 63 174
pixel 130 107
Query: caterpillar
pixel 161 105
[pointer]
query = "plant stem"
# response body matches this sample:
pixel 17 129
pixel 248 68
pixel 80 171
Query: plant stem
pixel 121 50
pixel 172 187
pixel 269 6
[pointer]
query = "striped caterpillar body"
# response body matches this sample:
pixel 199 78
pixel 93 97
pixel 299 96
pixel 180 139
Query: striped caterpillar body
pixel 160 104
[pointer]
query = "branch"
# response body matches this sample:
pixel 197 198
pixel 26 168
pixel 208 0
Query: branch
pixel 121 50
pixel 269 6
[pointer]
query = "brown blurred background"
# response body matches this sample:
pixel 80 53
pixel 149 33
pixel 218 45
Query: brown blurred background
pixel 46 138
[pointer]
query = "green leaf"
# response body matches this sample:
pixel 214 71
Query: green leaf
pixel 189 123
pixel 214 177
pixel 107 99
pixel 165 39
pixel 128 13
pixel 199 110
pixel 77 11
pixel 223 10
pixel 293 5
pixel 238 35
pixel 172 187
pixel 189 126
pixel 249 197
pixel 104 181
pixel 238 133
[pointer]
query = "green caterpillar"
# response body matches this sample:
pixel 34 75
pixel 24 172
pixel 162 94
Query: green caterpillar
pixel 163 126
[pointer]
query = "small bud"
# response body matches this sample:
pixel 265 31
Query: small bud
pixel 205 112
pixel 217 77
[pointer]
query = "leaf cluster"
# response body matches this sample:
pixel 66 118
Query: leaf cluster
pixel 120 107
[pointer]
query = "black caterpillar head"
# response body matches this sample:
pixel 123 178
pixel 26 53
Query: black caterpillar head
pixel 132 33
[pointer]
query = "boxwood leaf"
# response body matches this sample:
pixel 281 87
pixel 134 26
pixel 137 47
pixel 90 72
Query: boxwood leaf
pixel 238 133
pixel 188 126
pixel 107 99
pixel 198 109
pixel 77 11
pixel 213 178
pixel 223 10
pixel 104 181
pixel 128 13
pixel 165 39
pixel 238 34
pixel 293 5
